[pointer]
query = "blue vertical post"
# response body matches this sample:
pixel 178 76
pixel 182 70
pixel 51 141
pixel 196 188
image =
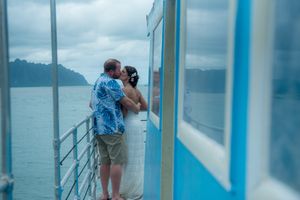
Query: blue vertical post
pixel 94 165
pixel 88 140
pixel 75 157
pixel 56 142
pixel 6 181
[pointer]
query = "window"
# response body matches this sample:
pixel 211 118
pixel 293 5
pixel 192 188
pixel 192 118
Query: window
pixel 285 105
pixel 155 73
pixel 280 160
pixel 205 83
pixel 205 67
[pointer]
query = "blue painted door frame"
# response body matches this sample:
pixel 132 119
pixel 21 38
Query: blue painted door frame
pixel 152 175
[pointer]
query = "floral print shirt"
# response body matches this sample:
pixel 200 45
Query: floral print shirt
pixel 105 101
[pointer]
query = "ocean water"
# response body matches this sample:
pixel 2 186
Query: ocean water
pixel 32 135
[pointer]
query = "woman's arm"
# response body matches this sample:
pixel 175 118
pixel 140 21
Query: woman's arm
pixel 124 110
pixel 144 105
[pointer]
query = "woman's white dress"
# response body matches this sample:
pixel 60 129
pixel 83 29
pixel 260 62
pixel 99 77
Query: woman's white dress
pixel 132 182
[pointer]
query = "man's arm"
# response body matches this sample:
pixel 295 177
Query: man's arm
pixel 130 105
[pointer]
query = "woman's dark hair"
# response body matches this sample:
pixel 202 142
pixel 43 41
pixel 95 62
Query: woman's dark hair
pixel 133 75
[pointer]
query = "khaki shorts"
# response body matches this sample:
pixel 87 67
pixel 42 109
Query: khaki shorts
pixel 112 149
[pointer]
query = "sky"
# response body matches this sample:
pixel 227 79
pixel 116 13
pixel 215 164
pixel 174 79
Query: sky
pixel 88 33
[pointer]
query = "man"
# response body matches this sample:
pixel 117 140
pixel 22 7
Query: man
pixel 107 97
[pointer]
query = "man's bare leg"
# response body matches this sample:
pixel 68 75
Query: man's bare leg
pixel 104 176
pixel 115 175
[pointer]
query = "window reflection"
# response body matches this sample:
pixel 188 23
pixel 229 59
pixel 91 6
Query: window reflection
pixel 205 66
pixel 285 116
pixel 157 48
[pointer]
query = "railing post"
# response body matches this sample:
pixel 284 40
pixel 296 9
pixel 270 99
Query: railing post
pixel 56 142
pixel 88 140
pixel 6 177
pixel 75 157
pixel 95 163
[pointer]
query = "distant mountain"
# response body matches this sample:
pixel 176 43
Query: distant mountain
pixel 207 81
pixel 26 74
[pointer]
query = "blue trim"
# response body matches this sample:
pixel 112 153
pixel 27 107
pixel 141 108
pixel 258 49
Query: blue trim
pixel 161 73
pixel 149 73
pixel 240 98
pixel 177 56
pixel 152 176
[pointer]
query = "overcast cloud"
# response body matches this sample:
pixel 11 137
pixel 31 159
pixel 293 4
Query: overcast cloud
pixel 207 35
pixel 89 32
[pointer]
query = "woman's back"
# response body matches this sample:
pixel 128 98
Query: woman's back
pixel 135 95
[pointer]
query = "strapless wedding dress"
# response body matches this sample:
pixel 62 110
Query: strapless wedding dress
pixel 132 182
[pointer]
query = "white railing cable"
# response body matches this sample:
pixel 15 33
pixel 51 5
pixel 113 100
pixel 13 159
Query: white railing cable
pixel 68 174
pixel 88 141
pixel 84 182
pixel 66 134
pixel 84 151
pixel 89 186
pixel 70 151
pixel 71 130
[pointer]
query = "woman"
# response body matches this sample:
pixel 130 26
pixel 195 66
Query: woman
pixel 133 172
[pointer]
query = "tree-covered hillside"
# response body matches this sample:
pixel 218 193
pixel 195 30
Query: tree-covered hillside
pixel 26 74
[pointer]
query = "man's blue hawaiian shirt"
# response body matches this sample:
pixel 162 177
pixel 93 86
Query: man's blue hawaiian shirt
pixel 106 94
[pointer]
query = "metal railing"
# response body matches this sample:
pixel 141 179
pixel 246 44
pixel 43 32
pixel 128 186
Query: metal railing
pixel 88 185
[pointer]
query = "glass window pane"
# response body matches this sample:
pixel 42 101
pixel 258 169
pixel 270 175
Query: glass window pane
pixel 285 116
pixel 157 48
pixel 205 66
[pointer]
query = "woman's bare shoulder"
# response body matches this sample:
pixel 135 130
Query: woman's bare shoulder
pixel 138 91
pixel 130 92
pixel 125 90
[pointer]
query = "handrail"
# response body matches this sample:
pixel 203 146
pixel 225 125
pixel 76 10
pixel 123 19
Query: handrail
pixel 71 130
pixel 73 169
pixel 84 182
pixel 66 134
pixel 68 174
pixel 67 154
pixel 89 187
pixel 84 151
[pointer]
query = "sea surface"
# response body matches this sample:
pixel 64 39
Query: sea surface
pixel 32 135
